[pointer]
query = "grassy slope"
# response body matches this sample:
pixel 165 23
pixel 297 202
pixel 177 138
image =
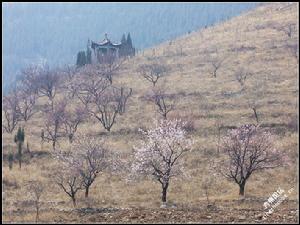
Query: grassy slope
pixel 274 85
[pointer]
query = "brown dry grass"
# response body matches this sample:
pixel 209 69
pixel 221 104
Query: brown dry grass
pixel 207 98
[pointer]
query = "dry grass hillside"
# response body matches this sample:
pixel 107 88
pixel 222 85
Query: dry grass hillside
pixel 254 41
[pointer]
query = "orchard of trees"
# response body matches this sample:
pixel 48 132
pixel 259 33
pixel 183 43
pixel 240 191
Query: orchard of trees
pixel 163 148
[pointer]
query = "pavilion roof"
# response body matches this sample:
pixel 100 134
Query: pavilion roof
pixel 105 42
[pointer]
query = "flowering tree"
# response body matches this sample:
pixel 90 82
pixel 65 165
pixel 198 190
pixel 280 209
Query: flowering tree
pixel 247 149
pixel 161 152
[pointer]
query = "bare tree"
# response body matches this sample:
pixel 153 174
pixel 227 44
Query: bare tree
pixel 90 158
pixel 36 189
pixel 253 104
pixel 102 100
pixel 152 72
pixel 89 85
pixel 108 105
pixel 11 112
pixel 160 154
pixel 216 63
pixel 241 76
pixel 219 126
pixel 294 50
pixel 247 149
pixel 70 83
pixel 165 103
pixel 71 119
pixel 122 99
pixel 66 177
pixel 48 83
pixel 26 105
pixel 207 185
pixel 29 79
pixel 109 69
pixel 54 123
pixel 69 71
pixel 26 91
pixel 289 29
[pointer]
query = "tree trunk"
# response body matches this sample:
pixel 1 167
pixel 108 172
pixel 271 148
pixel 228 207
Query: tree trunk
pixel 10 165
pixel 219 137
pixel 242 189
pixel 207 196
pixel 37 214
pixel 20 154
pixel 164 116
pixel 215 73
pixel 53 144
pixel 86 192
pixel 164 193
pixel 255 114
pixel 70 138
pixel 74 201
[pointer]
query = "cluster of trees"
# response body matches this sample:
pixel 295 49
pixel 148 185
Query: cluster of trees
pixel 160 156
pixel 91 85
pixel 84 57
pixel 158 94
pixel 246 149
pixel 127 48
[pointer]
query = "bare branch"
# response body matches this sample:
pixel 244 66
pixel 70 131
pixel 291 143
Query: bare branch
pixel 247 149
pixel 152 72
pixel 165 102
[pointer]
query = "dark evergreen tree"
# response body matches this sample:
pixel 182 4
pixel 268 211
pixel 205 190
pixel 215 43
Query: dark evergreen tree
pixel 130 48
pixel 129 41
pixel 81 59
pixel 19 140
pixel 10 160
pixel 123 49
pixel 88 53
pixel 88 56
pixel 123 40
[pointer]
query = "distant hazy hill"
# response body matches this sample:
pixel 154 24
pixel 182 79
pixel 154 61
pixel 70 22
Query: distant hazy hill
pixel 56 32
